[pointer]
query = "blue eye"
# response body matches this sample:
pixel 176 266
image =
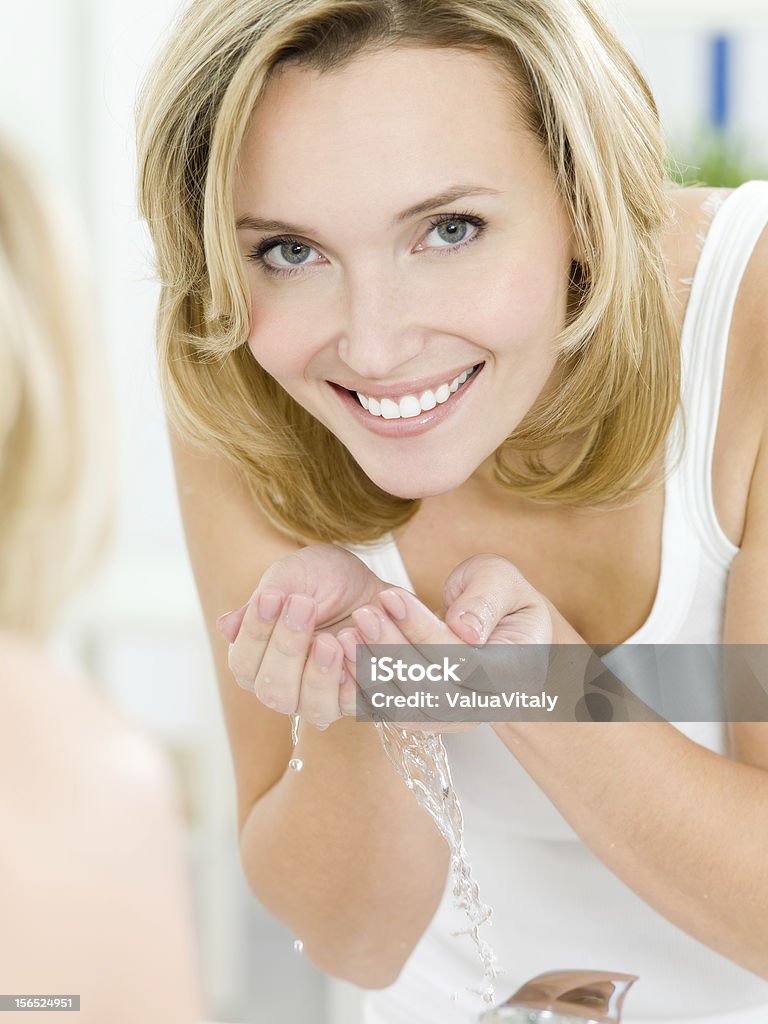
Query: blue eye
pixel 290 249
pixel 456 228
pixel 453 227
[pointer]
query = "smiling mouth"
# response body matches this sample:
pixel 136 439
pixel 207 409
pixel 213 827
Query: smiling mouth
pixel 412 406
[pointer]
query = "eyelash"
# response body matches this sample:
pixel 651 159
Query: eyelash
pixel 259 252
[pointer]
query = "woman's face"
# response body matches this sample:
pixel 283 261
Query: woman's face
pixel 415 233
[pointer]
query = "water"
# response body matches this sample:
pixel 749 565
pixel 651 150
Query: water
pixel 295 764
pixel 422 762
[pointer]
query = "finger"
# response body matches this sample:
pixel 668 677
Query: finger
pixel 319 695
pixel 349 639
pixel 378 627
pixel 417 624
pixel 422 627
pixel 416 628
pixel 278 680
pixel 229 623
pixel 482 591
pixel 249 643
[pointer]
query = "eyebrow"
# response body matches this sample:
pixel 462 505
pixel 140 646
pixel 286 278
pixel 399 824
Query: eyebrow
pixel 448 195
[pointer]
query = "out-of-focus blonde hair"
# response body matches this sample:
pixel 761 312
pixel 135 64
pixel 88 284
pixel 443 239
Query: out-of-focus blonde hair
pixel 56 482
pixel 581 95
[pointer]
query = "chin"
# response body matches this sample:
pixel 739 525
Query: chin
pixel 416 485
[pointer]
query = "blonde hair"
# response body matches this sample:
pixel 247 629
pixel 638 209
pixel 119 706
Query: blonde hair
pixel 582 96
pixel 55 455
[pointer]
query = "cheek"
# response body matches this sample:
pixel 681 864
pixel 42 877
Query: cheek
pixel 278 338
pixel 524 309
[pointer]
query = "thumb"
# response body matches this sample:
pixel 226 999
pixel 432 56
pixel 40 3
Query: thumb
pixel 486 589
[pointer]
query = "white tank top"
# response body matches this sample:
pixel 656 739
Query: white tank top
pixel 555 904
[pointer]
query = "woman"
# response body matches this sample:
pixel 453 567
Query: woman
pixel 355 204
pixel 92 894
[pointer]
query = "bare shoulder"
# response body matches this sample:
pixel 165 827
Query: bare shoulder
pixel 95 850
pixel 32 683
pixel 743 412
pixel 58 731
pixel 692 212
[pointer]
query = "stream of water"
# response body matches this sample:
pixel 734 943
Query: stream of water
pixel 421 760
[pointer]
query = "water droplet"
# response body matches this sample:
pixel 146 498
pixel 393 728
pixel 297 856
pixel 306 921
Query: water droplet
pixel 488 996
pixel 409 783
pixel 298 946
pixel 295 719
pixel 295 764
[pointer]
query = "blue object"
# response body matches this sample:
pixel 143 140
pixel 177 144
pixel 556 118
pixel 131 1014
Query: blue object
pixel 721 48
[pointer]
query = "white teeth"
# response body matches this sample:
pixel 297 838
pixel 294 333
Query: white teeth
pixel 410 405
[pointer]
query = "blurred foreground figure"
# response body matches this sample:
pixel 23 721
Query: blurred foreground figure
pixel 93 892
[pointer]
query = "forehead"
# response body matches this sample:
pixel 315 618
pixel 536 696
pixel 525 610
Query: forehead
pixel 402 112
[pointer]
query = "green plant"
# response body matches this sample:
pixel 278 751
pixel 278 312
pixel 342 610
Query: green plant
pixel 716 158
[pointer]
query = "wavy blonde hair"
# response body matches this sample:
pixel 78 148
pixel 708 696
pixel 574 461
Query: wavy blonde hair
pixel 586 101
pixel 56 482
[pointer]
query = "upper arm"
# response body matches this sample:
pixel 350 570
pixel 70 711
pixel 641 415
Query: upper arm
pixel 230 545
pixel 746 616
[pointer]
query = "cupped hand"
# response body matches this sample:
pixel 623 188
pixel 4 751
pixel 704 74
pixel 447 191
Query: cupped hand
pixel 487 600
pixel 283 642
pixel 294 643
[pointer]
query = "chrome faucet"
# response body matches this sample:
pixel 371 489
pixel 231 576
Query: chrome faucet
pixel 565 997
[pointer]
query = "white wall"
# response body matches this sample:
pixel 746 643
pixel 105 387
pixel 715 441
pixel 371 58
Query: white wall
pixel 692 13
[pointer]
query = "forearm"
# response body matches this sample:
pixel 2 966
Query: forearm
pixel 344 856
pixel 685 828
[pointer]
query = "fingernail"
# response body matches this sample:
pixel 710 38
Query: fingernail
pixel 323 652
pixel 368 622
pixel 394 604
pixel 223 621
pixel 349 642
pixel 298 611
pixel 473 623
pixel 268 605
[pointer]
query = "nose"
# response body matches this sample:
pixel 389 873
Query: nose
pixel 380 333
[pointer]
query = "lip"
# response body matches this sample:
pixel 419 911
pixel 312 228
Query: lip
pixel 413 426
pixel 414 387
